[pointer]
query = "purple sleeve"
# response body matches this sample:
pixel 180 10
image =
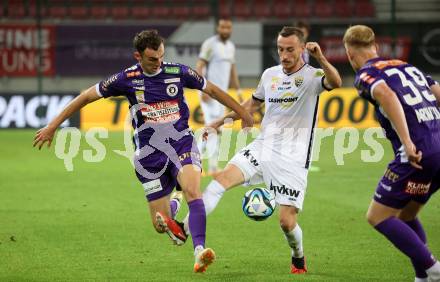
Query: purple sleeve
pixel 430 81
pixel 366 80
pixel 191 79
pixel 112 86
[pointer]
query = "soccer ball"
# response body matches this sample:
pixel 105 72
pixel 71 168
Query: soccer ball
pixel 258 204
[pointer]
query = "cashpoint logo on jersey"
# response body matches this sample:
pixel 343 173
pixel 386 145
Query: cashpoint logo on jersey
pixel 286 100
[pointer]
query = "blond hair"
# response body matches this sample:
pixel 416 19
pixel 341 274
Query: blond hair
pixel 359 36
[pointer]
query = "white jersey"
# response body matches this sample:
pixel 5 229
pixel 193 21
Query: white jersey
pixel 220 57
pixel 291 109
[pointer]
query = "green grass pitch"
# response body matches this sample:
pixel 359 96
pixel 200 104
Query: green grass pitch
pixel 93 224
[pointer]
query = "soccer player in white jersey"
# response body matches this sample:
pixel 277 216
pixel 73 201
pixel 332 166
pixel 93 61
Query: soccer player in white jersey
pixel 305 28
pixel 280 156
pixel 217 62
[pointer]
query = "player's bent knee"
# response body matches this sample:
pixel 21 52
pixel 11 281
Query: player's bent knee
pixel 370 219
pixel 410 211
pixel 230 177
pixel 223 179
pixel 373 219
pixel 192 193
pixel 287 224
pixel 404 216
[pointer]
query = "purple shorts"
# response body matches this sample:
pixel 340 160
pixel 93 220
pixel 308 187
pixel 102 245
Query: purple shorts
pixel 158 171
pixel 403 183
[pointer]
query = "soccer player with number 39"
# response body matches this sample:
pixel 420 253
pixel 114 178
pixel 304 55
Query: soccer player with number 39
pixel 406 103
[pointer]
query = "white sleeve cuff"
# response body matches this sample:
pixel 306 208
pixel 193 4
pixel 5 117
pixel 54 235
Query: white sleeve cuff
pixel 205 83
pixel 374 86
pixel 97 90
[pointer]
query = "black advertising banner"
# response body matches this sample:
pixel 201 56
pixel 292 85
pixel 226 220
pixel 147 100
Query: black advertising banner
pixel 29 110
pixel 416 43
pixel 83 50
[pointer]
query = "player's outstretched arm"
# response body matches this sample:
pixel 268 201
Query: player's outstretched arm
pixel 394 111
pixel 46 134
pixel 228 101
pixel 201 66
pixel 436 90
pixel 201 70
pixel 332 78
pixel 251 105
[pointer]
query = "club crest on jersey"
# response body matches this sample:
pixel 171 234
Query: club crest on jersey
pixel 172 90
pixel 299 81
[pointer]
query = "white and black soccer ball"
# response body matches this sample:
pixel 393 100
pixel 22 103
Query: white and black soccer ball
pixel 258 204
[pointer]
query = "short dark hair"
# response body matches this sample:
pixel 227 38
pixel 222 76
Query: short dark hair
pixel 150 39
pixel 303 24
pixel 290 30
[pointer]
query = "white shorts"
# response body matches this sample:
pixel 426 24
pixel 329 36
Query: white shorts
pixel 286 180
pixel 212 110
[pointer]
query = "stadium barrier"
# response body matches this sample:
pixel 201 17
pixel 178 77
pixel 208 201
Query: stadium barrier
pixel 340 108
pixel 30 110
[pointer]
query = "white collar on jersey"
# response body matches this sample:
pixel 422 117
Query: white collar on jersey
pixel 220 40
pixel 154 74
pixel 294 71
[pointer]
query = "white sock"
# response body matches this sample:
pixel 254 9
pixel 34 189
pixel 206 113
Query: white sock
pixel 434 272
pixel 201 145
pixel 294 239
pixel 211 196
pixel 417 279
pixel 198 249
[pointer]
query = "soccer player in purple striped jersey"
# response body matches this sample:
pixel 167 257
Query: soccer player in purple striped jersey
pixel 166 155
pixel 407 103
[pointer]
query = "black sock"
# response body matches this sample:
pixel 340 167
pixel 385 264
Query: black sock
pixel 298 262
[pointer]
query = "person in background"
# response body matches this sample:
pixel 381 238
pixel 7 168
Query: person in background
pixel 217 63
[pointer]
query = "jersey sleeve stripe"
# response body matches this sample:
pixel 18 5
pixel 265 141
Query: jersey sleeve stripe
pixel 204 83
pixel 258 99
pixel 374 86
pixel 323 84
pixel 309 150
